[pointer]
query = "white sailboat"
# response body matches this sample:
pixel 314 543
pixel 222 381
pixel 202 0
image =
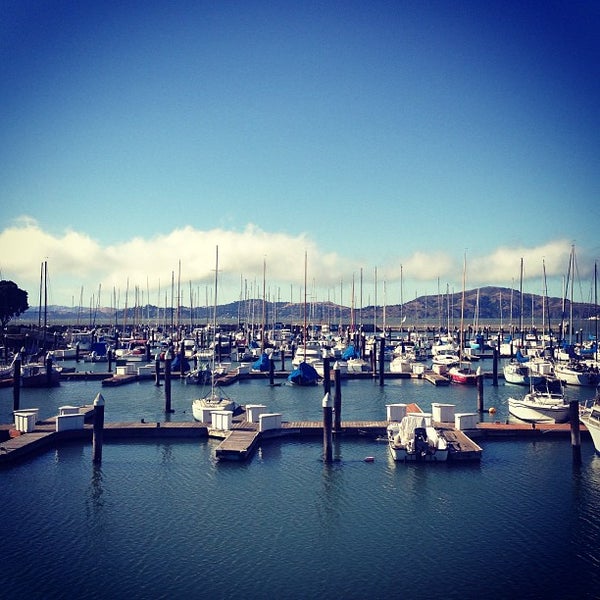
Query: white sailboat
pixel 214 399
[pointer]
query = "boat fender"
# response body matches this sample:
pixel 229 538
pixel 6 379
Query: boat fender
pixel 492 410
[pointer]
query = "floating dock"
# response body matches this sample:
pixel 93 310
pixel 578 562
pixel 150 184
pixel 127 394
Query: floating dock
pixel 240 442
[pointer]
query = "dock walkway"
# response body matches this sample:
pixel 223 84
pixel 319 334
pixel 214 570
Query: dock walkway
pixel 243 438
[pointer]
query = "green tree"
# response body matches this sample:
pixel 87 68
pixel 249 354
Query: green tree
pixel 13 302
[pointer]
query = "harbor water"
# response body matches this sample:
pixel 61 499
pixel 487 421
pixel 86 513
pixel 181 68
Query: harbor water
pixel 166 520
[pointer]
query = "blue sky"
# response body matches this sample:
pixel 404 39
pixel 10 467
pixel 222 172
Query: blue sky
pixel 377 137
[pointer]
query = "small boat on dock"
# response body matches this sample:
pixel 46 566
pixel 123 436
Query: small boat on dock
pixel 414 439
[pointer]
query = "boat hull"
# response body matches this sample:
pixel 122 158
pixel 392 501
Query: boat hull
pixel 591 420
pixel 401 454
pixel 546 408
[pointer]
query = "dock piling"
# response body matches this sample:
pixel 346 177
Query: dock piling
pixel 575 431
pixel 17 382
pixel 479 390
pixel 98 428
pixel 327 429
pixel 168 359
pixel 337 399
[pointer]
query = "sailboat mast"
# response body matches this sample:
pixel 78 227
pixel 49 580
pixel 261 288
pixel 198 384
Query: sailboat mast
pixel 305 329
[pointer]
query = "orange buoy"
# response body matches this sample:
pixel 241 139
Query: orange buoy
pixel 492 410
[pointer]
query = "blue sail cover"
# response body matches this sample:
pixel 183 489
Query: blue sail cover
pixel 305 374
pixel 520 358
pixel 176 364
pixel 262 364
pixel 350 352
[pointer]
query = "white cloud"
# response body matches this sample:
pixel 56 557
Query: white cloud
pixel 76 262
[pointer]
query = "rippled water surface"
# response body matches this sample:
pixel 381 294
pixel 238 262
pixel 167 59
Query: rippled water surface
pixel 164 520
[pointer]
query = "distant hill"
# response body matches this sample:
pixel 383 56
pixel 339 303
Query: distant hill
pixel 489 303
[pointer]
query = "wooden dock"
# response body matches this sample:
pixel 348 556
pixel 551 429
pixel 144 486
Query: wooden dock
pixel 240 442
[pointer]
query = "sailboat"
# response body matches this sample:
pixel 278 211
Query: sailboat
pixel 304 373
pixel 41 373
pixel 214 399
pixel 459 373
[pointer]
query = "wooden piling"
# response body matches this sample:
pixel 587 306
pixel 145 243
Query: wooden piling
pixel 282 359
pixel 337 399
pixel 381 360
pixel 479 390
pixel 98 429
pixel 49 369
pixel 575 431
pixel 109 357
pixel 327 429
pixel 495 369
pixel 157 369
pixel 182 360
pixel 271 371
pixel 168 359
pixel 17 382
pixel 326 376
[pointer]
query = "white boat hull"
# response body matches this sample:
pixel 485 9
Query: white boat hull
pixel 591 420
pixel 540 408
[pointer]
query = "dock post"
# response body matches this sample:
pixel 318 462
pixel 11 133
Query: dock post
pixel 168 359
pixel 109 356
pixel 271 371
pixel 98 429
pixel 49 369
pixel 327 429
pixel 282 359
pixel 326 376
pixel 479 390
pixel 77 352
pixel 337 399
pixel 157 369
pixel 381 360
pixel 575 431
pixel 182 360
pixel 16 382
pixel 495 369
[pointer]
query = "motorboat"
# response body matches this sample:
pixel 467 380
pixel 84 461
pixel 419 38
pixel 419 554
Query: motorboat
pixel 414 439
pixel 540 407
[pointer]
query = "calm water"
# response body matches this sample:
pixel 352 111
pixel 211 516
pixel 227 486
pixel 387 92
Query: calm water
pixel 164 520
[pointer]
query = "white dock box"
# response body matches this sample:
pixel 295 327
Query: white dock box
pixel 465 421
pixel 25 420
pixel 69 422
pixel 396 412
pixel 68 410
pixel 418 368
pixel 439 369
pixel 269 421
pixel 253 411
pixel 442 413
pixel 222 419
pixel 127 369
pixel 207 414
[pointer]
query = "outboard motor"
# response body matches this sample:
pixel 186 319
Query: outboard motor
pixel 421 443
